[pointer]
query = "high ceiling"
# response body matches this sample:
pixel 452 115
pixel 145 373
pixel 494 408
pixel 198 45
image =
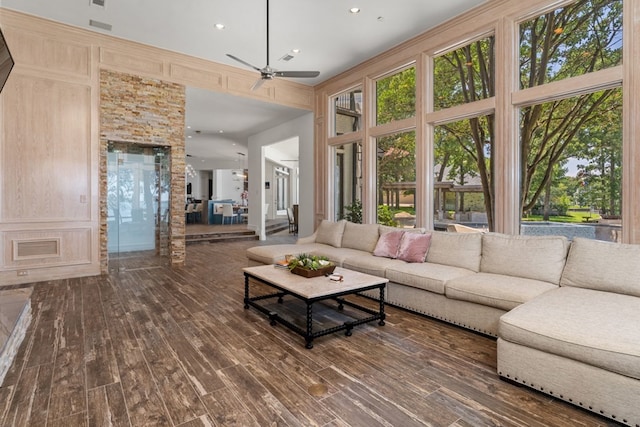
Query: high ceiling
pixel 330 38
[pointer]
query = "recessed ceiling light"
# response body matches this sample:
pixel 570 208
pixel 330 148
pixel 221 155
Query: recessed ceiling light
pixel 220 26
pixel 189 136
pixel 295 50
pixel 220 131
pixel 354 10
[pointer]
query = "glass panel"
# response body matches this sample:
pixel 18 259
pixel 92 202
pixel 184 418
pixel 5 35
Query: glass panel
pixel 396 172
pixel 138 193
pixel 282 190
pixel 347 179
pixel 347 108
pixel 580 38
pixel 464 75
pixel 396 96
pixel 463 192
pixel 571 181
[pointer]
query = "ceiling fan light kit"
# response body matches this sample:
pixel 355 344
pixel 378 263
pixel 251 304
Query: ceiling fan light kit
pixel 268 73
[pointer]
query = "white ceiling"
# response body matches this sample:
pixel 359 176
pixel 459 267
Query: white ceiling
pixel 331 40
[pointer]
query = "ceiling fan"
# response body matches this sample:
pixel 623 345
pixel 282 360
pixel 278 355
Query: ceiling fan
pixel 268 73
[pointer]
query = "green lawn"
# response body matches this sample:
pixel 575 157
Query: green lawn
pixel 570 217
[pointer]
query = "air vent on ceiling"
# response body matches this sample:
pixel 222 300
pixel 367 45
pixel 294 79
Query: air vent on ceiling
pixel 98 2
pixel 100 25
pixel 286 57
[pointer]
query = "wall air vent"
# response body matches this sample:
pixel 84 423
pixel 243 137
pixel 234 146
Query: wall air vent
pixel 100 25
pixel 40 248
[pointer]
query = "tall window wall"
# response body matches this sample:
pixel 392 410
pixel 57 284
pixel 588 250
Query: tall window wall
pixel 512 120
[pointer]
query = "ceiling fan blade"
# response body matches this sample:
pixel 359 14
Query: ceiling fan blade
pixel 244 62
pixel 299 74
pixel 257 84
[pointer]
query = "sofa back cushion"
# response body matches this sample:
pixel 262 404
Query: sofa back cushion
pixel 530 257
pixel 456 249
pixel 603 266
pixel 330 233
pixel 360 236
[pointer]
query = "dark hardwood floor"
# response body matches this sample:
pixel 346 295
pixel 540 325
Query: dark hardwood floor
pixel 151 345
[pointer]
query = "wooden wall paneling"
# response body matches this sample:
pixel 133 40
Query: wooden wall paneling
pixel 46 156
pixel 190 75
pixel 239 84
pixel 137 62
pixel 49 52
pixel 302 98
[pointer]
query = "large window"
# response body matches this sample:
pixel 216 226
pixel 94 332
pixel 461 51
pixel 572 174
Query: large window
pixel 396 96
pixel 571 147
pixel 396 172
pixel 571 174
pixel 347 112
pixel 443 142
pixel 463 149
pixel 581 38
pixel 464 75
pixel 463 173
pixel 347 179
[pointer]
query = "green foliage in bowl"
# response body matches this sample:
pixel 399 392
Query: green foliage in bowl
pixel 309 262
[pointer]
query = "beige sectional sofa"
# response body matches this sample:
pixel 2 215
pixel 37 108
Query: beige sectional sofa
pixel 567 315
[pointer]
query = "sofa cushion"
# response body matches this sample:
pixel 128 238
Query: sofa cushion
pixel 604 266
pixel 414 247
pixel 594 327
pixel 496 290
pixel 368 263
pixel 330 233
pixel 337 255
pixel 456 249
pixel 424 275
pixel 388 244
pixel 269 254
pixel 360 236
pixel 531 257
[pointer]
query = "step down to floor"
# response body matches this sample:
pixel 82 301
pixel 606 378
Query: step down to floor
pixel 222 236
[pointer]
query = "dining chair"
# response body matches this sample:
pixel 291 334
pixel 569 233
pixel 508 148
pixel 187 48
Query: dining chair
pixel 188 212
pixel 227 211
pixel 197 212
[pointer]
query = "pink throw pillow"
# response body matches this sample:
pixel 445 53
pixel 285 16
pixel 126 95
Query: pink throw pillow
pixel 414 247
pixel 388 244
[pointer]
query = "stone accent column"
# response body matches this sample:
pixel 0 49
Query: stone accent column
pixel 148 112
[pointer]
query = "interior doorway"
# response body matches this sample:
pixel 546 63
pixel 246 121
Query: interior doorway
pixel 138 196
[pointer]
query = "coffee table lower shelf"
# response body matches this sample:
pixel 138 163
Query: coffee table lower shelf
pixel 308 333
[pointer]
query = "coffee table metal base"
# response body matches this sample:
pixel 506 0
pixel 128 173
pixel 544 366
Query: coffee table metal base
pixel 309 334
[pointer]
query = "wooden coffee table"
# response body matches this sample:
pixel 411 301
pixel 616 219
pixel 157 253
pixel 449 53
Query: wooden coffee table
pixel 311 291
